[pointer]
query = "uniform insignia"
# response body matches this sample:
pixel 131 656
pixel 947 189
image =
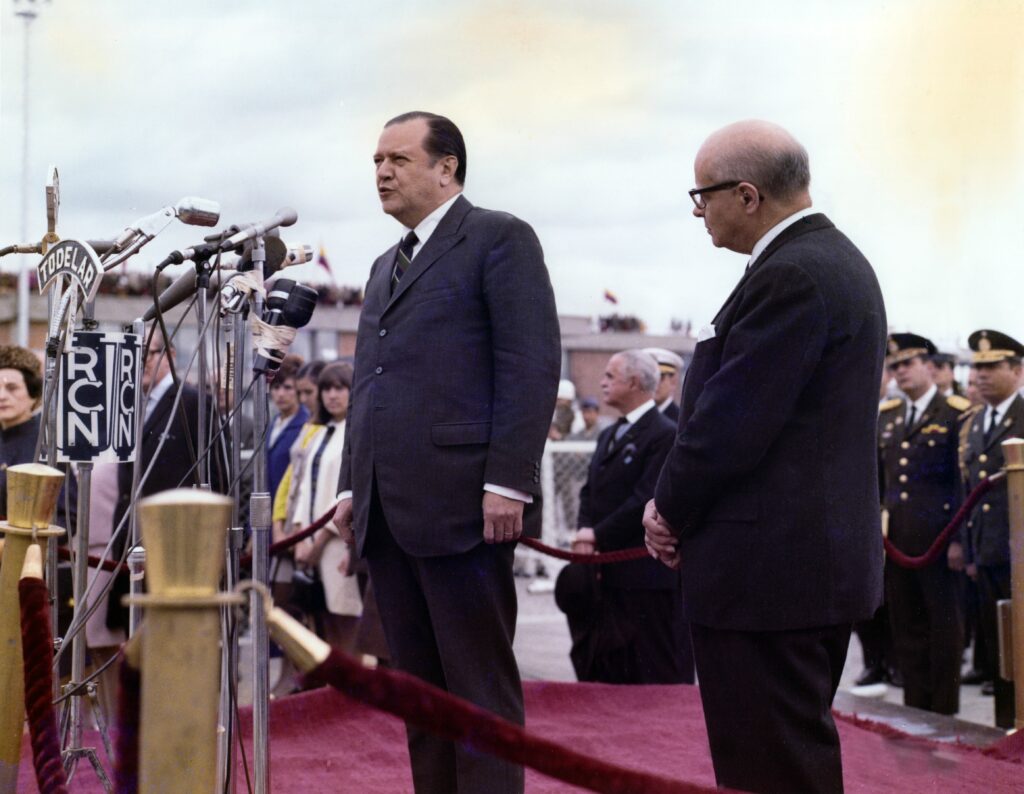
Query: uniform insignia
pixel 984 344
pixel 933 428
pixel 888 405
pixel 894 347
pixel 958 403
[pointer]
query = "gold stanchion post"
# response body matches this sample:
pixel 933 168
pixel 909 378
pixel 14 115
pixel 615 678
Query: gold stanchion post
pixel 184 532
pixel 1013 454
pixel 32 491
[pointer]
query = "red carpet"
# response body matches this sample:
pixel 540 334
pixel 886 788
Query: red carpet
pixel 322 742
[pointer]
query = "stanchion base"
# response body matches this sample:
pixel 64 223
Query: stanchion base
pixel 71 757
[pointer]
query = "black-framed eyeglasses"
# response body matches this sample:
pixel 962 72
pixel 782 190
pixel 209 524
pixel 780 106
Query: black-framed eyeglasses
pixel 698 199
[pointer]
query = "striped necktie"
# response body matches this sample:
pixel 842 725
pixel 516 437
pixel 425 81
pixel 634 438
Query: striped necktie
pixel 404 258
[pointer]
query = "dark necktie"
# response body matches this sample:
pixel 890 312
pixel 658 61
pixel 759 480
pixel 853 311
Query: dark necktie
pixel 314 466
pixel 993 423
pixel 620 430
pixel 912 418
pixel 404 258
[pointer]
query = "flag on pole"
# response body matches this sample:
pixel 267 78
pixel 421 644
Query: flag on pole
pixel 322 261
pixel 610 297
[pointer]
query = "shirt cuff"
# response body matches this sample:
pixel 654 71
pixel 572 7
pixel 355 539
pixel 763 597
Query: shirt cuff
pixel 342 495
pixel 510 493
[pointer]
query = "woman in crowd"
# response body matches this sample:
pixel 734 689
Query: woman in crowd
pixel 326 551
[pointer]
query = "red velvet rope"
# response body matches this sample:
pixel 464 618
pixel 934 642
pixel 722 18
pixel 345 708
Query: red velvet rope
pixel 292 540
pixel 126 772
pixel 939 544
pixel 95 562
pixel 37 654
pixel 600 558
pixel 449 717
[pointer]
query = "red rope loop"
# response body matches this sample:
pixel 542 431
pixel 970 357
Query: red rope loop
pixel 600 558
pixel 942 540
pixel 452 718
pixel 37 654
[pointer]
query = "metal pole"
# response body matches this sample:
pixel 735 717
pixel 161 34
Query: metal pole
pixel 79 582
pixel 1013 455
pixel 136 555
pixel 202 308
pixel 27 14
pixel 260 520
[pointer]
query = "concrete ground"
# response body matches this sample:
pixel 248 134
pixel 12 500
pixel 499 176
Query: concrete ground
pixel 542 647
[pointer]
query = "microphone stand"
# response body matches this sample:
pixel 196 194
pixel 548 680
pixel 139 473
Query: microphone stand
pixel 260 520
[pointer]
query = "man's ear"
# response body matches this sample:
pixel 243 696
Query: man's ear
pixel 449 165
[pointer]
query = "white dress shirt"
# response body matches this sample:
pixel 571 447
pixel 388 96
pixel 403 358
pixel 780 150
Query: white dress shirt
pixel 1000 409
pixel 920 404
pixel 775 231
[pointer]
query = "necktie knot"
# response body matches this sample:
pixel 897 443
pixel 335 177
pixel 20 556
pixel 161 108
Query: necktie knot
pixel 404 258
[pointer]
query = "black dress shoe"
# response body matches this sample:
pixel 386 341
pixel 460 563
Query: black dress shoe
pixel 871 675
pixel 973 677
pixel 894 677
pixel 988 688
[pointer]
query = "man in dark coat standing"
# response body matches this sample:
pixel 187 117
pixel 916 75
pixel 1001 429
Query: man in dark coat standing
pixel 920 486
pixel 456 369
pixel 768 500
pixel 641 597
pixel 996 361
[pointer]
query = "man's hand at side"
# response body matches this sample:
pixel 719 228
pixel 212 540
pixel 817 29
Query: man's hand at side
pixel 660 539
pixel 343 520
pixel 503 518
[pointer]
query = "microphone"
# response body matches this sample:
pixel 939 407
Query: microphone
pixel 298 255
pixel 183 288
pixel 190 210
pixel 285 216
pixel 289 306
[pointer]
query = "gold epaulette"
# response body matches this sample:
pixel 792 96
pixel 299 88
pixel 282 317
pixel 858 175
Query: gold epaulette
pixel 958 403
pixel 888 405
pixel 971 411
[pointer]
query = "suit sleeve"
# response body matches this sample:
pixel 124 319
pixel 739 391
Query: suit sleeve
pixel 526 356
pixel 623 528
pixel 769 353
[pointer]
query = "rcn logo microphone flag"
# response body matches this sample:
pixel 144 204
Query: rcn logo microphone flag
pixel 99 377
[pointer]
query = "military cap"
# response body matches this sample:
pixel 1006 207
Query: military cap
pixel 589 402
pixel 944 359
pixel 991 347
pixel 668 362
pixel 903 347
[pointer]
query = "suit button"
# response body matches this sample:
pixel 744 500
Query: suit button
pixel 379 370
pixel 904 496
pixel 536 479
pixel 931 442
pixel 946 506
pixel 905 445
pixel 983 474
pixel 985 508
pixel 903 461
pixel 903 478
pixel 383 332
pixel 983 458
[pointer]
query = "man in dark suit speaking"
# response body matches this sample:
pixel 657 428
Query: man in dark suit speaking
pixel 768 499
pixel 456 368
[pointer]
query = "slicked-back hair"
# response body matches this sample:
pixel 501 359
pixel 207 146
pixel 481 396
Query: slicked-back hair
pixel 642 366
pixel 780 174
pixel 337 374
pixel 443 139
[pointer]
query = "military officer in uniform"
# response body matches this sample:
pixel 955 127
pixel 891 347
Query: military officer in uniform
pixel 919 475
pixel 945 375
pixel 996 360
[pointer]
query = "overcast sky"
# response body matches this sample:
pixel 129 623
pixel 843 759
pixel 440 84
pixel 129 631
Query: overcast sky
pixel 580 117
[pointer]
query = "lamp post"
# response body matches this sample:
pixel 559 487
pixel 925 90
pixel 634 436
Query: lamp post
pixel 28 11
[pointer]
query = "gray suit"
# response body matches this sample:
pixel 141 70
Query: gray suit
pixel 455 379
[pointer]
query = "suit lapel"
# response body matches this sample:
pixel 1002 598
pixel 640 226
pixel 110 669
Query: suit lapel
pixel 925 417
pixel 162 409
pixel 445 236
pixel 809 223
pixel 632 433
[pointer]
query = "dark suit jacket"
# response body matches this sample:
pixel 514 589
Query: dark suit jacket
pixel 169 472
pixel 619 485
pixel 772 481
pixel 920 475
pixel 671 412
pixel 278 453
pixel 454 383
pixel 988 526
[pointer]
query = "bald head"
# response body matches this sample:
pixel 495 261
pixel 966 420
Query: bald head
pixel 763 154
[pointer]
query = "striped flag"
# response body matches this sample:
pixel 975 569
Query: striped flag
pixel 610 297
pixel 322 261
